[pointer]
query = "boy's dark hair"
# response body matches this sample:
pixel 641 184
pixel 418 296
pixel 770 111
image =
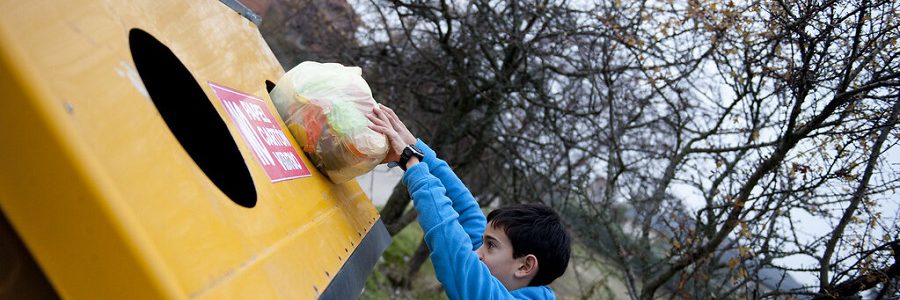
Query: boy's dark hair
pixel 535 229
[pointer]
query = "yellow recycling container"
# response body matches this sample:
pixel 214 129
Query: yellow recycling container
pixel 142 159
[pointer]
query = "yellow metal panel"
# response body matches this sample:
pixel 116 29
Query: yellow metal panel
pixel 106 198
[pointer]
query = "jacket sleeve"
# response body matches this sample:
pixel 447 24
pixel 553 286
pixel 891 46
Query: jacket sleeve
pixel 470 216
pixel 457 267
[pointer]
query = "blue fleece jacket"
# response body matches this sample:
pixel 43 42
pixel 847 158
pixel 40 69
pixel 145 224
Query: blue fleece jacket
pixel 453 226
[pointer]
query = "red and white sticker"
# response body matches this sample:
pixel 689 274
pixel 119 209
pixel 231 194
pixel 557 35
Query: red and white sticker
pixel 262 133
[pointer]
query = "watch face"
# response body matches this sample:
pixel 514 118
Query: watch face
pixel 415 151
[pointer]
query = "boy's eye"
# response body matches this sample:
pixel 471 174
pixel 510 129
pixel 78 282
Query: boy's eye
pixel 490 245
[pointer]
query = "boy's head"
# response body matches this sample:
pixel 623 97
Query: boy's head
pixel 525 245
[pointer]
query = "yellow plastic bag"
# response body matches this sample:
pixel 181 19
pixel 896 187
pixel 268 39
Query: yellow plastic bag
pixel 324 107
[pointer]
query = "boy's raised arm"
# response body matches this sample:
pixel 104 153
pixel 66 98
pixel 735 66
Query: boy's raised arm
pixel 385 121
pixel 470 216
pixel 456 265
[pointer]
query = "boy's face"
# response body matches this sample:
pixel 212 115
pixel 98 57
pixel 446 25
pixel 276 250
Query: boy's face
pixel 496 252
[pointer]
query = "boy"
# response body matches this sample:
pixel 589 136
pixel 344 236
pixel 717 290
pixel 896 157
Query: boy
pixel 513 254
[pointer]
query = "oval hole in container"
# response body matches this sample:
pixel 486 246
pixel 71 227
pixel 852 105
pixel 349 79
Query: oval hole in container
pixel 191 117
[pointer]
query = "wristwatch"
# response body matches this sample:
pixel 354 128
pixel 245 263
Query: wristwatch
pixel 408 152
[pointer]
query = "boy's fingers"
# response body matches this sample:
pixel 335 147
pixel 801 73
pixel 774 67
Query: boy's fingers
pixel 376 120
pixel 374 113
pixel 398 125
pixel 389 132
pixel 392 117
pixel 372 118
pixel 390 112
pixel 377 113
pixel 386 130
pixel 377 129
pixel 381 127
pixel 387 110
pixel 380 114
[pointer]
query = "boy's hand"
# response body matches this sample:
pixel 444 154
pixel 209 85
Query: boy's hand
pixel 386 122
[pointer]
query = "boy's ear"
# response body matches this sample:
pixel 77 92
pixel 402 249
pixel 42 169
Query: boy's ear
pixel 528 267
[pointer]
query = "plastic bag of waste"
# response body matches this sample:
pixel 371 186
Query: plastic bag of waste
pixel 324 107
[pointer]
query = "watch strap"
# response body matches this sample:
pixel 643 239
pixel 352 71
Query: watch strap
pixel 410 151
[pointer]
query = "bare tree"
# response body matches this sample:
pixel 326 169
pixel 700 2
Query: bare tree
pixel 686 141
pixel 769 112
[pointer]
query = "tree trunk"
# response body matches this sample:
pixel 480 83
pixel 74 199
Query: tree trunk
pixel 415 263
pixel 393 210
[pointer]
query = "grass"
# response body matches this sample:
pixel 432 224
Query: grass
pixel 383 283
